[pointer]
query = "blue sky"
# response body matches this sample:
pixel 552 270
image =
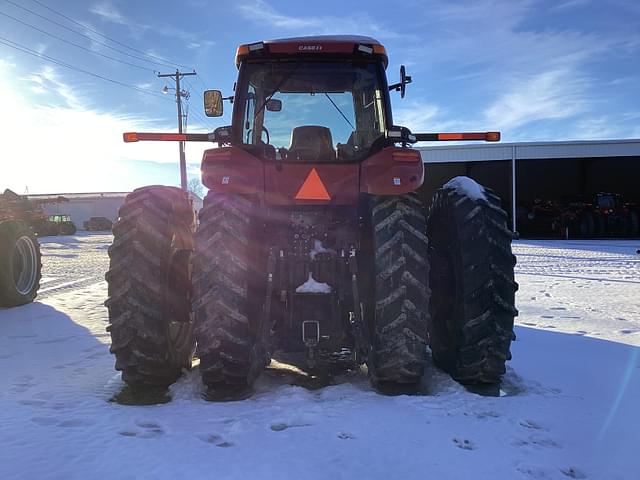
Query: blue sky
pixel 536 70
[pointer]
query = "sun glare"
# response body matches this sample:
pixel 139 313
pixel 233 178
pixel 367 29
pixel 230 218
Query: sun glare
pixel 53 142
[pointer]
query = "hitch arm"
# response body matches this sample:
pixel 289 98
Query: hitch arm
pixel 130 137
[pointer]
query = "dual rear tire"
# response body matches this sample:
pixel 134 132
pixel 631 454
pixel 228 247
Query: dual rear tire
pixel 444 280
pixel 151 300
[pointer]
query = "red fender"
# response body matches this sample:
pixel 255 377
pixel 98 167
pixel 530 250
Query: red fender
pixel 232 170
pixel 392 171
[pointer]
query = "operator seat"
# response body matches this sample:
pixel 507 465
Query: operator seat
pixel 312 143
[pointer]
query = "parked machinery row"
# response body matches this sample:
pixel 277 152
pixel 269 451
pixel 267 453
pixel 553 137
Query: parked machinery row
pixel 603 215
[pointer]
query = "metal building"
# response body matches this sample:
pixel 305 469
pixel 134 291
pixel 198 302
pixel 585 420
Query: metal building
pixel 82 206
pixel 522 172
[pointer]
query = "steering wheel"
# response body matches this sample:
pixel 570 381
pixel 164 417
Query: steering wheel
pixel 264 129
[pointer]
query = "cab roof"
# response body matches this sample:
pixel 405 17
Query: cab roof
pixel 305 47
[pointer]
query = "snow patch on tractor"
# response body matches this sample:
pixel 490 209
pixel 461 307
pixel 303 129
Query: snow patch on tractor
pixel 319 248
pixel 467 187
pixel 313 286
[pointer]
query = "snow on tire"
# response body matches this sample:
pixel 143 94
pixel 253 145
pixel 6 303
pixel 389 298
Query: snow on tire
pixel 225 319
pixel 149 287
pixel 472 281
pixel 20 265
pixel 401 291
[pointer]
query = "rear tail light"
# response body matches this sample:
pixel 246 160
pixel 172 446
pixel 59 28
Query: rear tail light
pixel 406 156
pixel 216 155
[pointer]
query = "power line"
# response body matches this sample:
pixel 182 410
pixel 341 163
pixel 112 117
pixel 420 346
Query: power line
pixel 195 112
pixel 203 84
pixel 199 116
pixel 105 36
pixel 165 64
pixel 27 50
pixel 75 44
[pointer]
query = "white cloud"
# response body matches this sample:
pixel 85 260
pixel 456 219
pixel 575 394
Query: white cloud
pixel 525 74
pixel 261 12
pixel 6 64
pixel 569 4
pixel 418 117
pixel 200 44
pixel 590 127
pixel 41 48
pixel 108 12
pixel 549 95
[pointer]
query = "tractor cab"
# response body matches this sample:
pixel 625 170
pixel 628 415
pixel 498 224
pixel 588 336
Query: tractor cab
pixel 311 100
pixel 310 111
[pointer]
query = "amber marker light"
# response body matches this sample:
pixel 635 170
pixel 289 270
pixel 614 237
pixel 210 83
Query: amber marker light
pixel 242 50
pixel 379 50
pixel 130 137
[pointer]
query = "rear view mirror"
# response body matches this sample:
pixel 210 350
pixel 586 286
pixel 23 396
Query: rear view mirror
pixel 404 80
pixel 274 105
pixel 213 103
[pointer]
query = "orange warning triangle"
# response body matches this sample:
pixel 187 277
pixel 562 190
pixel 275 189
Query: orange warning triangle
pixel 313 188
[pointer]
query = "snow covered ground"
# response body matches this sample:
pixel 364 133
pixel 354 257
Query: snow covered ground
pixel 570 409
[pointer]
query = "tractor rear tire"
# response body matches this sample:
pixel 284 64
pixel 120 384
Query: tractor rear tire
pixel 149 287
pixel 401 293
pixel 20 265
pixel 229 347
pixel 473 287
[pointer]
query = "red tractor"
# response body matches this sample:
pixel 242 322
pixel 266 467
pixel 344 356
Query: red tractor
pixel 312 244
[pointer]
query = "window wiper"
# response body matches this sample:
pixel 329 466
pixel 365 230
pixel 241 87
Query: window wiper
pixel 275 90
pixel 340 111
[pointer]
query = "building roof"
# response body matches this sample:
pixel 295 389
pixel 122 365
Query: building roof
pixel 79 196
pixel 90 196
pixel 530 150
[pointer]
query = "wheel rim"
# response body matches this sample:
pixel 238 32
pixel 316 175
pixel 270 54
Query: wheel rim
pixel 25 259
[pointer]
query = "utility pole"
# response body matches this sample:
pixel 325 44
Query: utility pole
pixel 179 94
